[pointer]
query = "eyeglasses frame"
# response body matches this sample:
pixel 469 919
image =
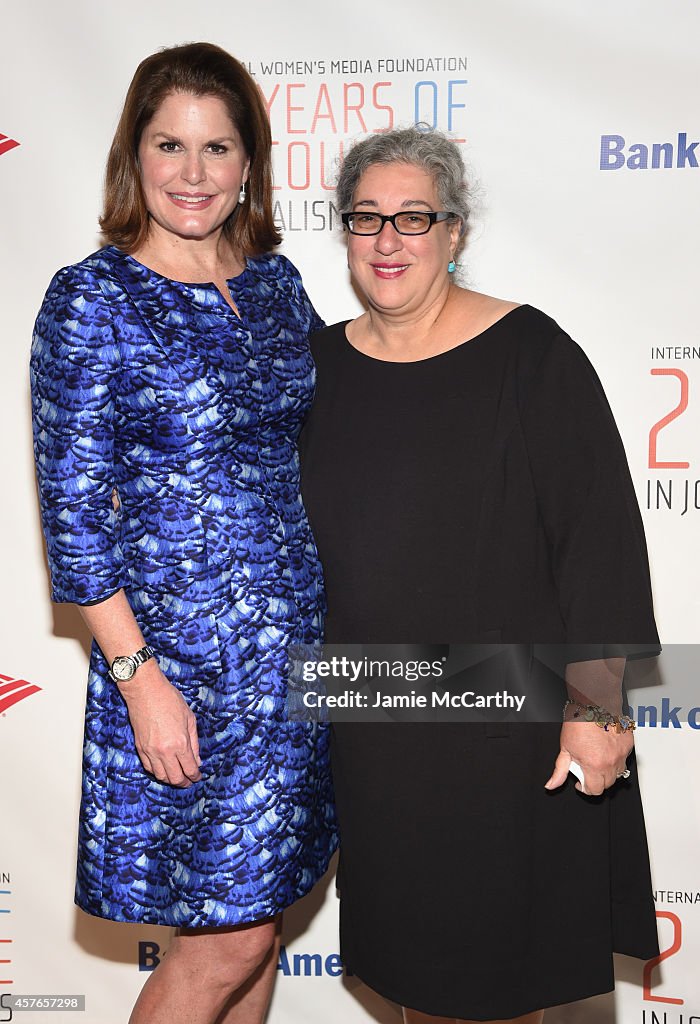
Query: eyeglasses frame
pixel 434 216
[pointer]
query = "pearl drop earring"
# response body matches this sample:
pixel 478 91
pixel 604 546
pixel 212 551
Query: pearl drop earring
pixel 241 194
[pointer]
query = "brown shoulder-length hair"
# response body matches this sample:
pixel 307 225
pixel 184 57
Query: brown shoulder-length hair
pixel 200 69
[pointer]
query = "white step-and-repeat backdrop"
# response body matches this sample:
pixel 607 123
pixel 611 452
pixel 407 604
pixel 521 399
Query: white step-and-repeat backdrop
pixel 580 125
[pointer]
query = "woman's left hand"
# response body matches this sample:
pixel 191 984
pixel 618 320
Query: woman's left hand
pixel 602 755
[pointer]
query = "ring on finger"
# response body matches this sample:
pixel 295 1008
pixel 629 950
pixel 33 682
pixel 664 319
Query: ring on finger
pixel 625 774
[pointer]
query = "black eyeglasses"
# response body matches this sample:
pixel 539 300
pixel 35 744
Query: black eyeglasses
pixel 410 222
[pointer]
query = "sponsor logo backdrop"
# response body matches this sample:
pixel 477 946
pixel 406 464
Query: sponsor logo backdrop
pixel 547 101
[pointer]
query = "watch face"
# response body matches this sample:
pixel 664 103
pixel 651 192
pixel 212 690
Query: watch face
pixel 122 668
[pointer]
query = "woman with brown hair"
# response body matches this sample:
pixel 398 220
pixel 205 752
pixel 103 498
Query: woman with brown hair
pixel 170 375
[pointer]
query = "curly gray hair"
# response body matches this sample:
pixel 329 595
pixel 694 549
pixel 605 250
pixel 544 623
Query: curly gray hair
pixel 420 145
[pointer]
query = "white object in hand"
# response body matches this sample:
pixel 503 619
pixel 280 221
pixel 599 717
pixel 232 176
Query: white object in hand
pixel 576 769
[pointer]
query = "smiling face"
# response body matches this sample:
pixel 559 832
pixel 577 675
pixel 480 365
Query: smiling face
pixel 400 274
pixel 192 166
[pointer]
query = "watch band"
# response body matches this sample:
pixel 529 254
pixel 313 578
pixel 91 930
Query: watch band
pixel 124 666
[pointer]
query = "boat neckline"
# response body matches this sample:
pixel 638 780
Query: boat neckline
pixel 437 355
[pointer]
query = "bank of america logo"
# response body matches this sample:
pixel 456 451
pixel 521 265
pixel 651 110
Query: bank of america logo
pixel 12 691
pixel 6 144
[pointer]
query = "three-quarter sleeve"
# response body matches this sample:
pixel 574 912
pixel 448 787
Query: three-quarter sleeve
pixel 74 369
pixel 588 508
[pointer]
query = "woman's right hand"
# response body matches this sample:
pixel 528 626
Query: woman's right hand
pixel 165 729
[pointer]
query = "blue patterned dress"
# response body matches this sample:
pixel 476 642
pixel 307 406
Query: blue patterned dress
pixel 156 390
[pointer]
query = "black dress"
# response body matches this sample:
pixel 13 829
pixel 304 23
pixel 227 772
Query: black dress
pixel 480 495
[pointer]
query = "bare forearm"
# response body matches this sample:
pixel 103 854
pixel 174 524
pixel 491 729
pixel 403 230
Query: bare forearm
pixel 114 627
pixel 165 730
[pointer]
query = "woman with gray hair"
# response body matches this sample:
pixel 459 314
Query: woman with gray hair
pixel 466 483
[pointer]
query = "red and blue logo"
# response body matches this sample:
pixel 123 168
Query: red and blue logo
pixel 12 691
pixel 6 144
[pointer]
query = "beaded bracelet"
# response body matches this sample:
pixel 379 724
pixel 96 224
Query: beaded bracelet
pixel 602 718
